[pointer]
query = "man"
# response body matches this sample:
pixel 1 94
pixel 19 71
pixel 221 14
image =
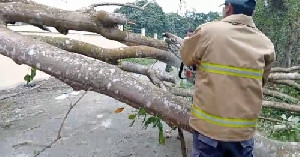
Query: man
pixel 235 60
pixel 188 33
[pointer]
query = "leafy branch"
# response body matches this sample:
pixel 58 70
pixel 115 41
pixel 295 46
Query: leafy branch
pixel 154 120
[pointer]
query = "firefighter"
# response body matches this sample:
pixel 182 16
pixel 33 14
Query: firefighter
pixel 235 60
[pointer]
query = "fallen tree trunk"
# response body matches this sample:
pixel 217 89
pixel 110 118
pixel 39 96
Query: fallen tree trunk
pixel 82 72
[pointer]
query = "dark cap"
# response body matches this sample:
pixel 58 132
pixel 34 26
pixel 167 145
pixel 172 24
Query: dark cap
pixel 244 3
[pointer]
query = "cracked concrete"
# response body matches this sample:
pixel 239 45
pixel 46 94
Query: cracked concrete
pixel 31 120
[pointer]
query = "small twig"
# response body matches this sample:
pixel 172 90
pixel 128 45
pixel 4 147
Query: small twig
pixel 62 124
pixel 182 141
pixel 91 7
pixel 272 120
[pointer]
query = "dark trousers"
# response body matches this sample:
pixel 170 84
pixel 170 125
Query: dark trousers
pixel 206 147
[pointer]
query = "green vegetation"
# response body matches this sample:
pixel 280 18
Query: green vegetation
pixel 147 120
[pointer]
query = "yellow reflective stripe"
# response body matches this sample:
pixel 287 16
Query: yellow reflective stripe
pixel 230 70
pixel 227 122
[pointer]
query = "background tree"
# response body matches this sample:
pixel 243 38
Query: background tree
pixel 279 19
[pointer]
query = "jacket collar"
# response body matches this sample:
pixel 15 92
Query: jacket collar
pixel 240 19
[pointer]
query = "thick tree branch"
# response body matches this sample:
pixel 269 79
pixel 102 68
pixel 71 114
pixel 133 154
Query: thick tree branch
pixel 282 106
pixel 279 95
pixel 284 76
pixel 288 83
pixel 147 71
pixel 110 55
pixel 285 70
pixel 99 22
pixel 70 20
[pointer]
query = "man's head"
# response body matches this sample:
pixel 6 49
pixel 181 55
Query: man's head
pixel 189 32
pixel 245 7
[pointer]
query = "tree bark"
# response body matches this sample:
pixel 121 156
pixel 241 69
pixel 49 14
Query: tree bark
pixel 285 70
pixel 283 76
pixel 147 71
pixel 110 55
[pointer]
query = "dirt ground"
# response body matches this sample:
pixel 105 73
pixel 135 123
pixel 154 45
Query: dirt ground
pixel 31 119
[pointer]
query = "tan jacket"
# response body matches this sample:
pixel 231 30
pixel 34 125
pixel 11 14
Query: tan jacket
pixel 236 59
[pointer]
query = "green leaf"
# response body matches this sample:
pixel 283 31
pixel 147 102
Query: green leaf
pixel 149 121
pixel 27 78
pixel 132 116
pixel 155 123
pixel 142 111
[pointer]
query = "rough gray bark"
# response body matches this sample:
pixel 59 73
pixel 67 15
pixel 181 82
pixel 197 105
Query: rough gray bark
pixel 147 71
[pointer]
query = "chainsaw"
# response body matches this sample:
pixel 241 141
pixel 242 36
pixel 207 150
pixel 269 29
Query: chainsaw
pixel 189 72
